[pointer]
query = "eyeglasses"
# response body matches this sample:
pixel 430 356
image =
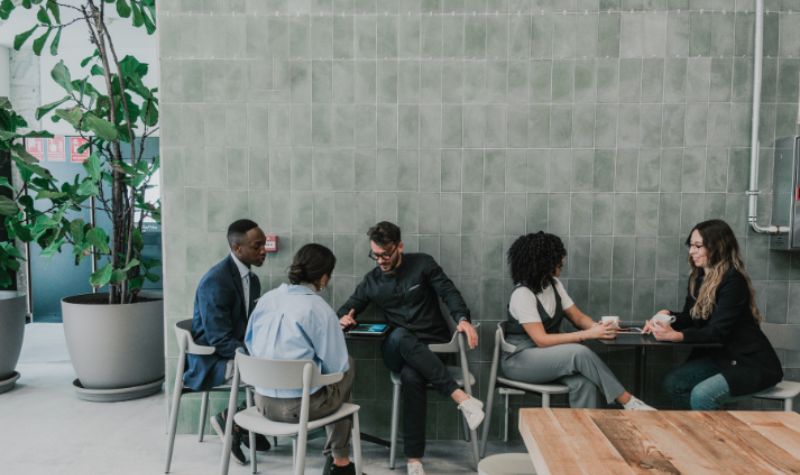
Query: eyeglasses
pixel 695 246
pixel 382 256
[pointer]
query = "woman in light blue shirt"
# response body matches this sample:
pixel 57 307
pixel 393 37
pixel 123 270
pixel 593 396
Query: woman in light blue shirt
pixel 292 322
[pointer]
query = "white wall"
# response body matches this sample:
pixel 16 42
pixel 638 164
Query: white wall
pixel 74 46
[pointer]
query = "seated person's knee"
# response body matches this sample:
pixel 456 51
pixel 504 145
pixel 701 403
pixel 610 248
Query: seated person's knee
pixel 409 375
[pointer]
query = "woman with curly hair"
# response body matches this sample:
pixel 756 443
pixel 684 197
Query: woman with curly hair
pixel 720 307
pixel 538 305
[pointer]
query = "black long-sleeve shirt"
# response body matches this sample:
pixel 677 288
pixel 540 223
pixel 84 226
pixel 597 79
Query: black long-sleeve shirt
pixel 408 297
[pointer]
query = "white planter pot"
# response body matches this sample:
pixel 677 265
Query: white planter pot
pixel 114 347
pixel 12 330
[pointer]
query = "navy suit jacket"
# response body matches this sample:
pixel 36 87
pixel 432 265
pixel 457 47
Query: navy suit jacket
pixel 219 320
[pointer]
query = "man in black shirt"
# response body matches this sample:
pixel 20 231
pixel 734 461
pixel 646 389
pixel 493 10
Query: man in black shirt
pixel 406 288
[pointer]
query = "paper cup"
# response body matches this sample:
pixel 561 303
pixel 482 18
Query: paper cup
pixel 662 318
pixel 612 319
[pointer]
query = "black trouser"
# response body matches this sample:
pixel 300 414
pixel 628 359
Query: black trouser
pixel 404 353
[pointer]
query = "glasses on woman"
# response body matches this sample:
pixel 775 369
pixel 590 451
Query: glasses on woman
pixel 385 256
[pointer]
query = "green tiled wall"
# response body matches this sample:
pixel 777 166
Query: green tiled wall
pixel 617 124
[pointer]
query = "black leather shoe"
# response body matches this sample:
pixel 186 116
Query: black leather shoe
pixel 349 469
pixel 236 450
pixel 262 443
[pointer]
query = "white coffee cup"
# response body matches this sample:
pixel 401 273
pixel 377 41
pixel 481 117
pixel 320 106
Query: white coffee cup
pixel 610 319
pixel 662 318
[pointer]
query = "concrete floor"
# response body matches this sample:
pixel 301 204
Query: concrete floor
pixel 46 429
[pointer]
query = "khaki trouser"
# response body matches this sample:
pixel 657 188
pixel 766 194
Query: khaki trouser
pixel 324 402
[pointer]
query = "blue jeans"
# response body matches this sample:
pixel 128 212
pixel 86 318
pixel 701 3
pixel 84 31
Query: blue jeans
pixel 698 385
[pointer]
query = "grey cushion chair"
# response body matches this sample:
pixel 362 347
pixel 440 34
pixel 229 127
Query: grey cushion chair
pixel 508 387
pixel 187 346
pixel 456 345
pixel 283 374
pixel 782 337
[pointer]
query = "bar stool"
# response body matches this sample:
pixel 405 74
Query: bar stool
pixel 506 464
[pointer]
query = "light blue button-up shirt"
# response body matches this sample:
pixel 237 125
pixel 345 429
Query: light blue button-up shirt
pixel 292 322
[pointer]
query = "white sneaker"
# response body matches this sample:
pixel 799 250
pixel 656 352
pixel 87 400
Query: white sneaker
pixel 636 404
pixel 473 412
pixel 415 468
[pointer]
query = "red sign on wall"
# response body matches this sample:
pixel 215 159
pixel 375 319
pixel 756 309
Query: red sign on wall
pixel 35 147
pixel 55 149
pixel 74 144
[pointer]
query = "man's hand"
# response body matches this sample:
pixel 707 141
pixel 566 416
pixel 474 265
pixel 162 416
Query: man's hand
pixel 472 335
pixel 348 320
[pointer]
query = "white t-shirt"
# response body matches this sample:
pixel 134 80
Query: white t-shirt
pixel 523 302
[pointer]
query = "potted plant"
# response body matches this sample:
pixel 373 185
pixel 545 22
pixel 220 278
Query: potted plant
pixel 13 305
pixel 115 337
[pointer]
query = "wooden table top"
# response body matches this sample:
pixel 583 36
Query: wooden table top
pixel 605 441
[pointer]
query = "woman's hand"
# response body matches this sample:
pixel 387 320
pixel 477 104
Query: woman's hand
pixel 601 331
pixel 649 324
pixel 664 332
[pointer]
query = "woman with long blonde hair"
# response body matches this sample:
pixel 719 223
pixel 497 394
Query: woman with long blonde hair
pixel 720 307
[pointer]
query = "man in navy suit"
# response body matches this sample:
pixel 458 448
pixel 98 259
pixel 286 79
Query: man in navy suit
pixel 222 304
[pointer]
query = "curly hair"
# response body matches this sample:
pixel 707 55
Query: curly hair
pixel 534 259
pixel 723 254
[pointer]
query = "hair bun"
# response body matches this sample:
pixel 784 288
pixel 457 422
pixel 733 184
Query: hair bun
pixel 297 273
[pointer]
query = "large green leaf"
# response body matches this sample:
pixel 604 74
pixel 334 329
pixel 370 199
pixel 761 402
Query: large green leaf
pixel 50 195
pixel 99 239
pixel 101 127
pixel 88 188
pixel 39 42
pixel 21 38
pixel 42 16
pixel 138 19
pixel 55 43
pixel 76 229
pixel 42 111
pixel 7 206
pixel 54 10
pixel 93 166
pixel 102 276
pixel 148 15
pixel 123 9
pixel 150 115
pixel 73 115
pixel 52 248
pixel 6 7
pixel 61 76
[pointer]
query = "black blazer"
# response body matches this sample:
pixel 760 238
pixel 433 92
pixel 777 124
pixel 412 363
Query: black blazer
pixel 747 360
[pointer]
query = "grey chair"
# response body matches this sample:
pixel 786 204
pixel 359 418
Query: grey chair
pixel 506 464
pixel 508 387
pixel 456 345
pixel 187 346
pixel 283 374
pixel 782 337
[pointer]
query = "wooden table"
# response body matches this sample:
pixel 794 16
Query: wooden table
pixel 604 441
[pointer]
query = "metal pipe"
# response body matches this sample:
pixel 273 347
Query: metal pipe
pixel 752 193
pixel 28 282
